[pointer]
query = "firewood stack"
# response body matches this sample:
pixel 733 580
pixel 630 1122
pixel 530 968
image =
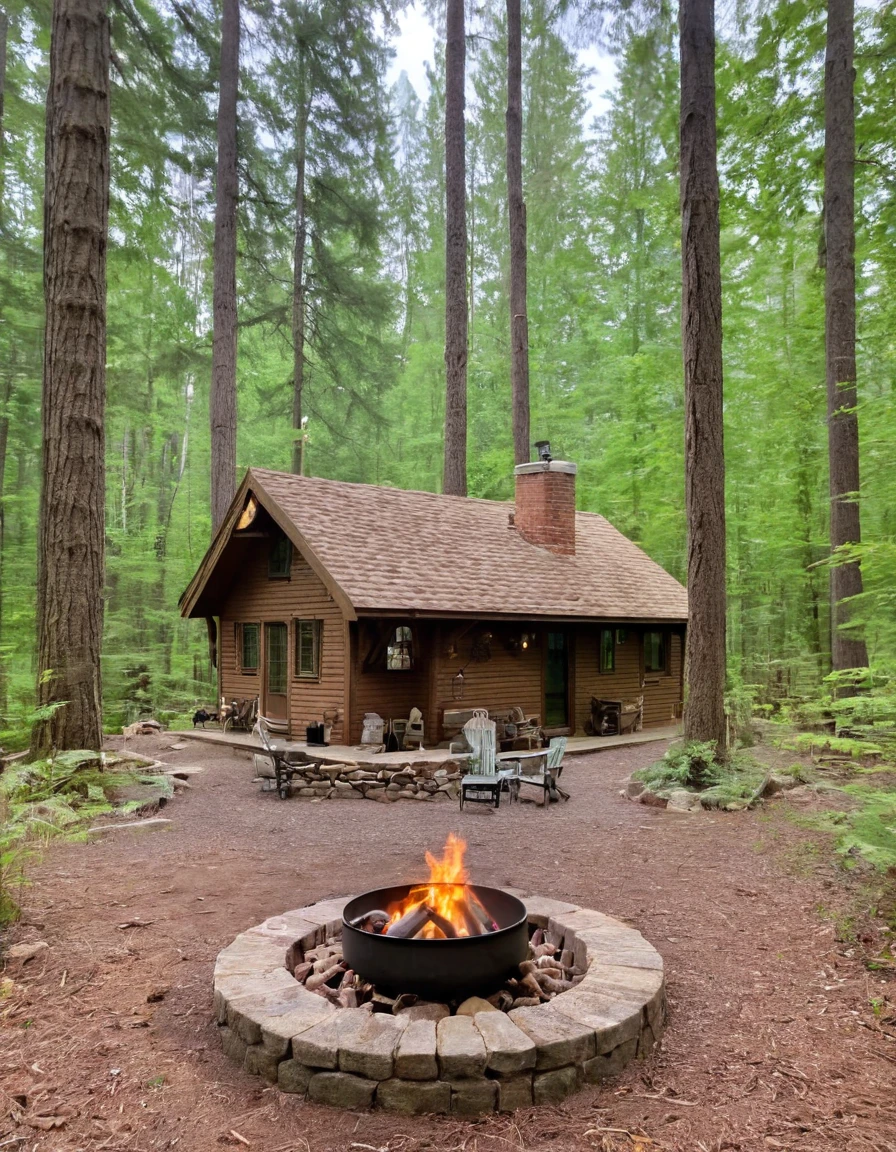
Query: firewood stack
pixel 546 972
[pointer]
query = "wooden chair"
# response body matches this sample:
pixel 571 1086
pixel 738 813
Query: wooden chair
pixel 284 762
pixel 544 775
pixel 482 785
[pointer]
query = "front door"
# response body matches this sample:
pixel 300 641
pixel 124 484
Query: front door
pixel 556 682
pixel 276 671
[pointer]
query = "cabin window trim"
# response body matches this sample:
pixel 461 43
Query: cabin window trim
pixel 606 651
pixel 313 631
pixel 662 649
pixel 241 630
pixel 400 649
pixel 280 557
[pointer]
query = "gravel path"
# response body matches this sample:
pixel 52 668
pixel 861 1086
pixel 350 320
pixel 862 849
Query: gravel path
pixel 772 1041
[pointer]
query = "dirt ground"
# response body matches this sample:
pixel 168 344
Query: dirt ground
pixel 778 1037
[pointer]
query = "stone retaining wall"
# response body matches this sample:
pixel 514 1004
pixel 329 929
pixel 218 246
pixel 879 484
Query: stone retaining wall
pixel 352 1058
pixel 349 782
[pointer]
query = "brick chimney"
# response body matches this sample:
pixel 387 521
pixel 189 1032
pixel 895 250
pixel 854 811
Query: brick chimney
pixel 546 505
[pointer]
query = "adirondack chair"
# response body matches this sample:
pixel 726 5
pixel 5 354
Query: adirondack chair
pixel 483 784
pixel 543 773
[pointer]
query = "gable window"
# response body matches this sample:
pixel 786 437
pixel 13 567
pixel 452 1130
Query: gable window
pixel 607 650
pixel 654 652
pixel 246 636
pixel 280 557
pixel 400 650
pixel 308 637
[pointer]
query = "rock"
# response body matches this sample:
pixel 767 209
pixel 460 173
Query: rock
pixel 415 1057
pixel 634 788
pixel 234 1047
pixel 653 799
pixel 383 796
pixel 681 800
pixel 414 1097
pixel 425 1010
pixel 473 1097
pixel 508 1048
pixel 22 953
pixel 395 788
pixel 307 792
pixel 610 1064
pixel 318 1046
pixel 559 1040
pixel 554 1087
pixel 351 794
pixel 421 795
pixel 440 774
pixel 259 1061
pixel 474 1004
pixel 461 1048
pixel 402 779
pixel 408 794
pixel 293 1077
pixel 514 1093
pixel 341 1090
pixel 367 1042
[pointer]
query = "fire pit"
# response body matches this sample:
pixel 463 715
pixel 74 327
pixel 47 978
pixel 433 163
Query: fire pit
pixel 443 996
pixel 438 967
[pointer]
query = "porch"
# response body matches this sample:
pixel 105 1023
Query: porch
pixel 350 754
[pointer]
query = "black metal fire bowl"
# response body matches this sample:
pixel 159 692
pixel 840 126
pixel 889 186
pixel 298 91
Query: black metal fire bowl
pixel 440 970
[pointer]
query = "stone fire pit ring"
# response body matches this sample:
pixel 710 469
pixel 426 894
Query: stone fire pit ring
pixel 467 1065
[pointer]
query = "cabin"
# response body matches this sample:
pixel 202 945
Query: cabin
pixel 329 600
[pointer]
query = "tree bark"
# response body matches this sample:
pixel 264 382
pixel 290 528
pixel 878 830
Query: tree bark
pixel 6 385
pixel 71 532
pixel 298 276
pixel 454 479
pixel 516 211
pixel 222 406
pixel 701 324
pixel 847 649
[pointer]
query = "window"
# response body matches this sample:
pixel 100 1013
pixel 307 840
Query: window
pixel 399 651
pixel 280 557
pixel 654 652
pixel 247 646
pixel 607 650
pixel 308 635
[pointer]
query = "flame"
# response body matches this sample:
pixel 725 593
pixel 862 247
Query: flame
pixel 446 893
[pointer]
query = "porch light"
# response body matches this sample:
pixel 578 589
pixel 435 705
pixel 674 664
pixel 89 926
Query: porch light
pixel 524 640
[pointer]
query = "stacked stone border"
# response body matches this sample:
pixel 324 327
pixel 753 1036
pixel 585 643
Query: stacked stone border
pixel 467 1065
pixel 418 781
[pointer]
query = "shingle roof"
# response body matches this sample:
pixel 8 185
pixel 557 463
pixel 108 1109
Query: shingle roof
pixel 389 549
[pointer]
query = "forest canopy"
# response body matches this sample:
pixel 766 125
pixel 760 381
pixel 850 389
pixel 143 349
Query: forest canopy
pixel 317 85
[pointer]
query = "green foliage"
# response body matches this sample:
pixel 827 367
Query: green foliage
pixel 815 744
pixel 867 832
pixel 684 765
pixel 60 796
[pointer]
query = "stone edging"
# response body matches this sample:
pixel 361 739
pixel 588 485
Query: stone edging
pixel 275 1028
pixel 319 781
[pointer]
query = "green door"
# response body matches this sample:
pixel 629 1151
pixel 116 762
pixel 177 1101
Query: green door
pixel 556 682
pixel 276 671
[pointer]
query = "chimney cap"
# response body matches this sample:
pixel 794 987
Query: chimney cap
pixel 546 466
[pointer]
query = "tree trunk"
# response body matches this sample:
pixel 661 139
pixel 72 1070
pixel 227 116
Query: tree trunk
pixel 701 323
pixel 6 385
pixel 222 406
pixel 71 533
pixel 454 479
pixel 298 275
pixel 516 210
pixel 847 649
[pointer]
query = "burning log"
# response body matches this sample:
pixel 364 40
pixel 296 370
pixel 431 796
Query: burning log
pixel 374 921
pixel 475 927
pixel 444 926
pixel 487 921
pixel 411 923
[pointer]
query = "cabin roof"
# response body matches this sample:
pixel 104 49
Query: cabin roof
pixel 388 550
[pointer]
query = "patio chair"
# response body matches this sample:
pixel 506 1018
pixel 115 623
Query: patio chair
pixel 284 762
pixel 241 714
pixel 544 775
pixel 482 785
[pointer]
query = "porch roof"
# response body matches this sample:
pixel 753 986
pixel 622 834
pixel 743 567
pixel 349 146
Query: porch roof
pixel 387 550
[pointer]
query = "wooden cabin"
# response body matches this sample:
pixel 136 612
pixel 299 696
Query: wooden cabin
pixel 331 600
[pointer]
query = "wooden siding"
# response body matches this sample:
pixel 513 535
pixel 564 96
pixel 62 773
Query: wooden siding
pixel 391 695
pixel 662 692
pixel 507 680
pixel 254 598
